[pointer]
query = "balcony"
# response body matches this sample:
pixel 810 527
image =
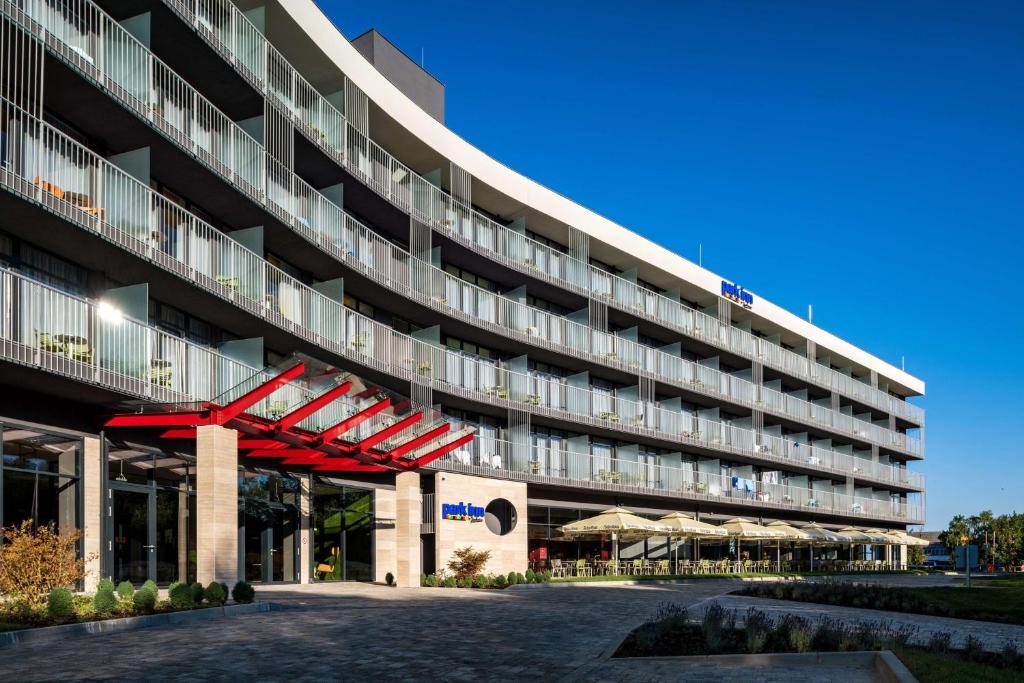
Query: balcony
pixel 45 166
pixel 191 121
pixel 504 459
pixel 326 127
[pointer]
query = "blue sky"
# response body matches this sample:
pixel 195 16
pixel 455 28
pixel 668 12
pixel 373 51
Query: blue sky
pixel 863 157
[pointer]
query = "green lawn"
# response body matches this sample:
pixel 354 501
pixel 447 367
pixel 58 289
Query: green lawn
pixel 934 668
pixel 994 601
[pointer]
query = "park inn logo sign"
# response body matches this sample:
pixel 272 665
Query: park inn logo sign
pixel 461 511
pixel 737 294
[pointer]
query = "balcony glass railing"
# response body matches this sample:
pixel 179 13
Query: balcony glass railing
pixel 92 342
pixel 193 122
pixel 47 166
pixel 527 462
pixel 326 126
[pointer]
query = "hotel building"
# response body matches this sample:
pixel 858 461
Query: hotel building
pixel 216 217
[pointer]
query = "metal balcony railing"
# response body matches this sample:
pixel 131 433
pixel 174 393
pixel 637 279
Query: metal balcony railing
pixel 189 119
pixel 219 22
pixel 48 167
pixel 525 462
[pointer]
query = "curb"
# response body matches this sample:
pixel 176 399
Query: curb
pixel 53 634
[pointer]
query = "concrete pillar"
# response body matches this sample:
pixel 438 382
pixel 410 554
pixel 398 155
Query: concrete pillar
pixel 217 504
pixel 408 516
pixel 92 509
pixel 385 534
pixel 306 529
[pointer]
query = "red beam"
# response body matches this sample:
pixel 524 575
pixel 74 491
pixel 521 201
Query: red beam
pixel 254 396
pixel 283 453
pixel 302 412
pixel 436 453
pixel 332 433
pixel 246 444
pixel 384 434
pixel 178 434
pixel 413 444
pixel 158 420
pixel 347 465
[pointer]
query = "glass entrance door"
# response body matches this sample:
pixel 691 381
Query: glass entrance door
pixel 269 534
pixel 132 543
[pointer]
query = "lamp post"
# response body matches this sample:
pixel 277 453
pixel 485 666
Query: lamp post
pixel 967 557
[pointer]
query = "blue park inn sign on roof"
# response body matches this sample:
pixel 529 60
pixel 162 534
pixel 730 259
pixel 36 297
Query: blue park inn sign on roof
pixel 737 294
pixel 461 511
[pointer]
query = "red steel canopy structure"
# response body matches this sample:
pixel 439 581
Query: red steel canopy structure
pixel 312 415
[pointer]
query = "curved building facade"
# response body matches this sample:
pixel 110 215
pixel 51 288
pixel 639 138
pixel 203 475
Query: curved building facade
pixel 195 191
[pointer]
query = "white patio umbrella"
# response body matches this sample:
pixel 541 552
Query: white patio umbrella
pixel 822 536
pixel 856 536
pixel 744 530
pixel 903 538
pixel 616 521
pixel 792 534
pixel 684 526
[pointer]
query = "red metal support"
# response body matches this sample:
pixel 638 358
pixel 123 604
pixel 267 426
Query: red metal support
pixel 332 433
pixel 386 433
pixel 254 396
pixel 413 444
pixel 302 412
pixel 436 453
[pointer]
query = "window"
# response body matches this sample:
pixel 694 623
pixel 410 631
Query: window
pixel 43 266
pixel 39 478
pixel 470 277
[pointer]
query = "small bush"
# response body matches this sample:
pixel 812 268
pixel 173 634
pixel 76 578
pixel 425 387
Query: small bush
pixel 520 578
pixel 939 643
pixel 827 637
pixel 757 629
pixel 468 562
pixel 60 604
pixel 151 585
pixel 198 592
pixel 481 581
pixel 511 579
pixel 180 596
pixel 800 636
pixel 500 581
pixel 243 593
pixel 450 582
pixel 431 581
pixel 530 576
pixel 104 602
pixel 144 600
pixel 713 627
pixel 125 591
pixel 389 579
pixel 215 594
pixel 105 584
pixel 34 561
pixel 973 649
pixel 423 579
pixel 547 575
pixel 1010 656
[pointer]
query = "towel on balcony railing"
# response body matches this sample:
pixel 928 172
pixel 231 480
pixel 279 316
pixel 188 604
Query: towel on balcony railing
pixel 743 484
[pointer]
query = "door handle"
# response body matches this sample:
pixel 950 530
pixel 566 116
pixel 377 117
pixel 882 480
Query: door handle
pixel 151 547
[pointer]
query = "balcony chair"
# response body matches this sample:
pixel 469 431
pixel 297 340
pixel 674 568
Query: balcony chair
pixel 160 372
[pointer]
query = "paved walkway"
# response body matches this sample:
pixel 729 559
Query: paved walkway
pixel 362 632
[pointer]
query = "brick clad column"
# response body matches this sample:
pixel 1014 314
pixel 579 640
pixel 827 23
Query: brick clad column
pixel 92 509
pixel 408 515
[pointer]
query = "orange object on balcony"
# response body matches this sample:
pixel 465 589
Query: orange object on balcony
pixel 49 187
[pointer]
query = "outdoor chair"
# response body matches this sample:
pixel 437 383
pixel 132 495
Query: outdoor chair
pixel 613 568
pixel 160 372
pixel 583 569
pixel 637 567
pixel 662 567
pixel 558 570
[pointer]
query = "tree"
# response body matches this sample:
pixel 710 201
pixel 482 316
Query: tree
pixel 915 556
pixel 1002 537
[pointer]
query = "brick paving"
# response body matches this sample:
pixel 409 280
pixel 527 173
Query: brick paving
pixel 361 632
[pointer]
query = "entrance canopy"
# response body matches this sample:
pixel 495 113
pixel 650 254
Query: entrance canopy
pixel 307 413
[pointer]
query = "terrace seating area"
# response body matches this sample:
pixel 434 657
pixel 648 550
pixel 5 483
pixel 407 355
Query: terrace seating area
pixel 655 567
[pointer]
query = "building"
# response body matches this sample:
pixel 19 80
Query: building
pixel 194 192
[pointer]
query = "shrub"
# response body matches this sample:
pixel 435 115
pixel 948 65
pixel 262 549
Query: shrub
pixel 939 643
pixel 530 576
pixel 144 600
pixel 465 582
pixel 423 579
pixel 481 581
pixel 227 591
pixel 389 579
pixel 712 626
pixel 800 636
pixel 243 593
pixel 520 578
pixel 547 575
pixel 105 584
pixel 450 582
pixel 1010 656
pixel 125 591
pixel 468 562
pixel 827 636
pixel 500 581
pixel 35 561
pixel 60 604
pixel 151 585
pixel 511 579
pixel 198 592
pixel 973 649
pixel 181 596
pixel 104 602
pixel 757 629
pixel 215 594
